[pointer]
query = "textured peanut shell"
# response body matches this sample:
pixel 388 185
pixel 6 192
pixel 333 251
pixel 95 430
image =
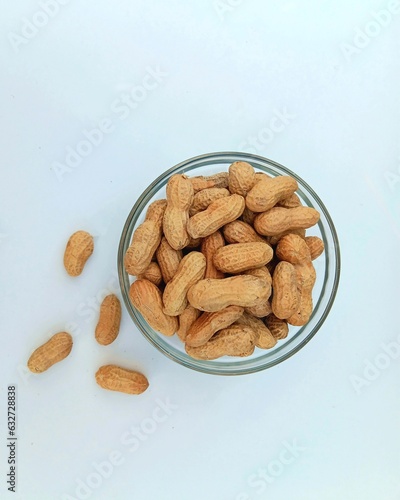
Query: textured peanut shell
pixel 152 273
pixel 202 199
pixel 264 308
pixel 277 220
pixel 107 328
pixel 306 277
pixel 315 245
pixel 219 180
pixel 191 269
pixel 241 232
pixel 240 257
pixel 215 294
pixel 147 299
pixel 278 327
pixel 209 323
pixel 294 249
pixel 291 201
pixel 236 340
pixel 268 192
pixel 168 259
pixel 248 216
pixel 115 378
pixel 186 319
pixel 262 175
pixel 53 351
pixel 209 246
pixel 274 240
pixel 285 298
pixel 242 177
pixel 264 338
pixel 79 248
pixel 219 213
pixel 179 200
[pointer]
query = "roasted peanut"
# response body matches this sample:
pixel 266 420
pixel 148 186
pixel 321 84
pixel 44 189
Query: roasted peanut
pixel 202 199
pixel 186 319
pixel 264 338
pixel 191 269
pixel 147 299
pixel 168 259
pixel 242 178
pixel 285 298
pixel 240 232
pixel 209 323
pixel 274 240
pixel 179 200
pixel 107 328
pixel 236 340
pixel 115 378
pixel 264 308
pixel 53 351
pixel 240 257
pixel 278 327
pixel 291 201
pixel 268 192
pixel 277 220
pixel 219 213
pixel 248 216
pixel 215 294
pixel 79 248
pixel 315 245
pixel 209 246
pixel 219 180
pixel 145 240
pixel 152 273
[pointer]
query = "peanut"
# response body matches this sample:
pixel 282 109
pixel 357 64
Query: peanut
pixel 191 269
pixel 285 298
pixel 274 240
pixel 219 180
pixel 215 294
pixel 145 240
pixel 262 175
pixel 268 192
pixel 278 327
pixel 186 319
pixel 179 200
pixel 147 299
pixel 242 178
pixel 107 328
pixel 291 201
pixel 209 323
pixel 248 216
pixel 218 213
pixel 240 257
pixel 240 232
pixel 53 351
pixel 115 378
pixel 152 273
pixel 168 259
pixel 209 246
pixel 315 245
pixel 264 338
pixel 236 340
pixel 264 308
pixel 79 248
pixel 277 220
pixel 194 243
pixel 202 199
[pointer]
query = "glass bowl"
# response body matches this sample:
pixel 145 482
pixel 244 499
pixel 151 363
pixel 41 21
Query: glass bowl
pixel 327 267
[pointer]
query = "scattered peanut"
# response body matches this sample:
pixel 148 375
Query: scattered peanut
pixel 79 248
pixel 53 351
pixel 107 328
pixel 115 378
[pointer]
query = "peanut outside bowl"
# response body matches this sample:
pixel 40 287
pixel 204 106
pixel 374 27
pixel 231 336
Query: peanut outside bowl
pixel 327 267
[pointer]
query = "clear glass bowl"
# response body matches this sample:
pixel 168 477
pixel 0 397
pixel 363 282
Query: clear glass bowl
pixel 327 267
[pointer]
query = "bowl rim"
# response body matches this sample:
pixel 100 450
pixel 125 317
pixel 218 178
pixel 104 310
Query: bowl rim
pixel 194 365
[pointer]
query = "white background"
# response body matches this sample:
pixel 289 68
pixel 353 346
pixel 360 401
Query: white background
pixel 227 71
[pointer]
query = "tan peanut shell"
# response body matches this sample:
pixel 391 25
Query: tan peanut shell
pixel 248 216
pixel 264 338
pixel 241 232
pixel 242 177
pixel 315 245
pixel 274 240
pixel 107 328
pixel 277 220
pixel 202 199
pixel 263 308
pixel 268 192
pixel 79 248
pixel 191 269
pixel 200 182
pixel 209 323
pixel 219 213
pixel 285 298
pixel 168 259
pixel 278 327
pixel 152 273
pixel 115 378
pixel 240 257
pixel 54 350
pixel 262 175
pixel 186 319
pixel 209 246
pixel 179 200
pixel 294 249
pixel 291 201
pixel 260 272
pixel 215 294
pixel 145 240
pixel 147 299
pixel 194 243
pixel 236 340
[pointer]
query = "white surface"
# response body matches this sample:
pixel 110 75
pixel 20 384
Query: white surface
pixel 226 75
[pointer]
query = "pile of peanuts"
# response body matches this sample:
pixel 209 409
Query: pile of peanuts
pixel 224 261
